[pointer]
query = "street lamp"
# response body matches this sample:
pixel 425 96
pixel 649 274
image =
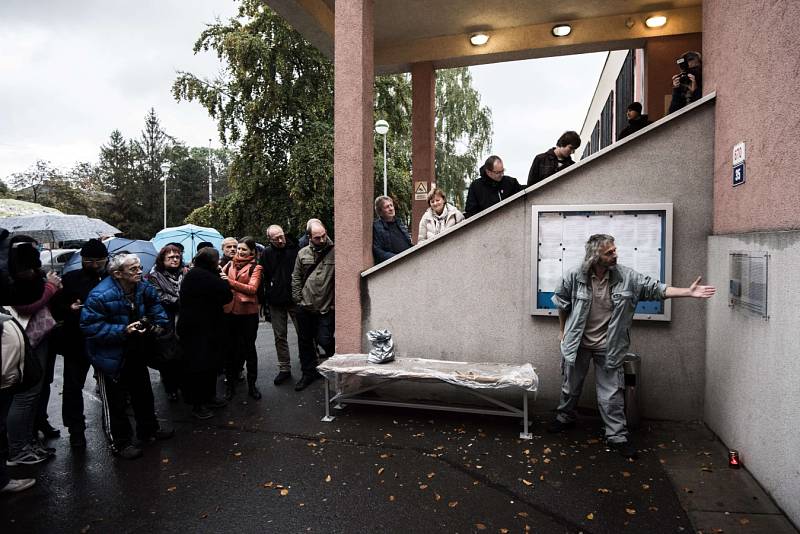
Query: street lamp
pixel 165 168
pixel 382 128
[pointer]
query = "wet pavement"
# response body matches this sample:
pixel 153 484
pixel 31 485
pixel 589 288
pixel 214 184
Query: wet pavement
pixel 272 466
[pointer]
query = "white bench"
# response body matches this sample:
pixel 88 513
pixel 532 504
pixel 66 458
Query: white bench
pixel 477 379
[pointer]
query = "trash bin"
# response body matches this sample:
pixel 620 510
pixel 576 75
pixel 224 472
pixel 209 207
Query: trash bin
pixel 631 366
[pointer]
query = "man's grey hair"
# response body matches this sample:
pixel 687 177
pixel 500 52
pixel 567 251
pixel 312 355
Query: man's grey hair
pixel 272 227
pixel 119 261
pixel 379 203
pixel 594 246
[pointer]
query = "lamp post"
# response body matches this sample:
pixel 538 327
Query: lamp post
pixel 209 173
pixel 382 128
pixel 165 168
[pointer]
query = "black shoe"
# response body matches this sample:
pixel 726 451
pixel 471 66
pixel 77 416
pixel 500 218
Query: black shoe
pixel 625 449
pixel 253 391
pixel 201 412
pixel 215 403
pixel 305 381
pixel 77 440
pixel 282 377
pixel 230 390
pixel 49 432
pixel 159 435
pixel 557 426
pixel 130 452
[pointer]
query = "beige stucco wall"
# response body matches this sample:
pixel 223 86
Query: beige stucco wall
pixel 752 368
pixel 465 296
pixel 751 60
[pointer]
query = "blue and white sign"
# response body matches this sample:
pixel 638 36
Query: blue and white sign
pixel 738 174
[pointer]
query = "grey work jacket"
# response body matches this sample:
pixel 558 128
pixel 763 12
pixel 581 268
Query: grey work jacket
pixel 627 287
pixel 317 295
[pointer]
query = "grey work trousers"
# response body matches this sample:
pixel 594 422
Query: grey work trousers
pixel 280 328
pixel 610 392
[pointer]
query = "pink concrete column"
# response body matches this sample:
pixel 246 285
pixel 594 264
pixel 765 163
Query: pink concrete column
pixel 352 163
pixel 423 137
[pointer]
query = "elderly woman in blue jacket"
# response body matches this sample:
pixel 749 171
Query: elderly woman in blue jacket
pixel 119 313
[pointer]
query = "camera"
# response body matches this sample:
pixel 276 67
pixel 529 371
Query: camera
pixel 145 325
pixel 683 64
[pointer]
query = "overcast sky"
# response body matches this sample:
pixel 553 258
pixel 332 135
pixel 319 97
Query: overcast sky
pixel 71 72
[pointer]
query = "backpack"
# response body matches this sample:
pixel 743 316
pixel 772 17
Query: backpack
pixel 28 367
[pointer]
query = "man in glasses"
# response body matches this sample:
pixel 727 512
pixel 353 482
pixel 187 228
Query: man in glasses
pixel 66 306
pixel 277 264
pixel 492 187
pixel 557 158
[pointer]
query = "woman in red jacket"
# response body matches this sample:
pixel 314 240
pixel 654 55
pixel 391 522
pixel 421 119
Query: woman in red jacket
pixel 244 277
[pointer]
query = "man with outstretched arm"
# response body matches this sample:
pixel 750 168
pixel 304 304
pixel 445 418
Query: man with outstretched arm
pixel 596 302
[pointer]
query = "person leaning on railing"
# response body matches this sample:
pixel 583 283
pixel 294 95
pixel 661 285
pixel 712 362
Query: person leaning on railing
pixel 439 216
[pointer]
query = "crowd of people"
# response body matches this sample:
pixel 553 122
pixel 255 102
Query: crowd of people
pixel 112 317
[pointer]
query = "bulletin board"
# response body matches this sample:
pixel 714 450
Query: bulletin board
pixel 642 233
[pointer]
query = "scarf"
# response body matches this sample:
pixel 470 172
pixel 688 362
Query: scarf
pixel 169 283
pixel 440 220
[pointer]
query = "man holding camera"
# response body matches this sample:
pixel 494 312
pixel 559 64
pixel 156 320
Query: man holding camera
pixel 119 313
pixel 687 86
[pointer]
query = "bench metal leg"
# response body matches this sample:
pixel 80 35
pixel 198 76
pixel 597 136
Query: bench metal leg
pixel 525 434
pixel 328 417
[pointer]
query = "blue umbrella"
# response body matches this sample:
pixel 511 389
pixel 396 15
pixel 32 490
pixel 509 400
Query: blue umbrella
pixel 117 245
pixel 189 236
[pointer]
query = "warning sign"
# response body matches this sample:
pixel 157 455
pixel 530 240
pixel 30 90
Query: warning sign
pixel 420 190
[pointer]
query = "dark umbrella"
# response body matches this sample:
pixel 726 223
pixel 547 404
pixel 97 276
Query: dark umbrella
pixel 117 245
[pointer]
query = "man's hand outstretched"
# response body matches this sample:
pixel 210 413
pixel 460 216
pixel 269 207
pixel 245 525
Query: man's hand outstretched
pixel 701 292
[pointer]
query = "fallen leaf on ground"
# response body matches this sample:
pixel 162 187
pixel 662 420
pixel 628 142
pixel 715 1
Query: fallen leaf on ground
pixel 527 482
pixel 503 531
pixel 707 469
pixel 653 508
pixel 744 521
pixel 590 516
pixel 452 504
pixel 645 487
pixel 165 460
pixel 384 455
pixel 480 526
pixel 437 497
pixel 630 511
pixel 423 486
pixel 380 471
pixel 328 478
pixel 237 453
pixel 625 474
pixel 603 490
pixel 547 450
pixel 284 492
pixel 172 488
pixel 85 529
pixel 431 475
pixel 203 515
pixel 546 460
pixel 391 498
pixel 267 484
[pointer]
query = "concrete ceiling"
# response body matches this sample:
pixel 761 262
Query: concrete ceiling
pixel 410 31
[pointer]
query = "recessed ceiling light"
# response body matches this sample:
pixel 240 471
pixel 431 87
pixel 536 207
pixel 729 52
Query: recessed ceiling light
pixel 562 30
pixel 656 21
pixel 478 39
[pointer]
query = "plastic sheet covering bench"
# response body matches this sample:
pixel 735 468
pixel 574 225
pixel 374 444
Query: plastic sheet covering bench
pixel 478 379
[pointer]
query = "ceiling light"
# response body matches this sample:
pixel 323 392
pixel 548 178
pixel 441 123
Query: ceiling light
pixel 656 21
pixel 478 39
pixel 562 30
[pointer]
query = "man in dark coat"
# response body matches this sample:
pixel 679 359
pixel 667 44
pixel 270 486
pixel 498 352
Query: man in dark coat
pixel 277 264
pixel 555 159
pixel 636 121
pixel 389 234
pixel 492 187
pixel 66 307
pixel 202 331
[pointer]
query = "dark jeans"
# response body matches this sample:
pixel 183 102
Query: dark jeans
pixel 76 366
pixel 243 329
pixel 5 403
pixel 314 328
pixel 22 414
pixel 134 379
pixel 44 396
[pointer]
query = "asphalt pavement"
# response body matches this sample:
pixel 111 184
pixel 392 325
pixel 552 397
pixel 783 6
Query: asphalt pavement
pixel 272 466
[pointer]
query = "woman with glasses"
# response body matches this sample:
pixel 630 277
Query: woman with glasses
pixel 114 321
pixel 244 277
pixel 166 276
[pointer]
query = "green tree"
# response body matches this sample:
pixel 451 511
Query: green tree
pixel 274 102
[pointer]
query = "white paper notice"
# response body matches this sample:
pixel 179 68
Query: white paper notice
pixel 648 231
pixel 572 257
pixel 550 236
pixel 626 256
pixel 549 274
pixel 623 228
pixel 648 261
pixel 599 224
pixel 576 231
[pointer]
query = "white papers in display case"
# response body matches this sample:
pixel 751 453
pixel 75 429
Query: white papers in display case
pixel 549 274
pixel 648 231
